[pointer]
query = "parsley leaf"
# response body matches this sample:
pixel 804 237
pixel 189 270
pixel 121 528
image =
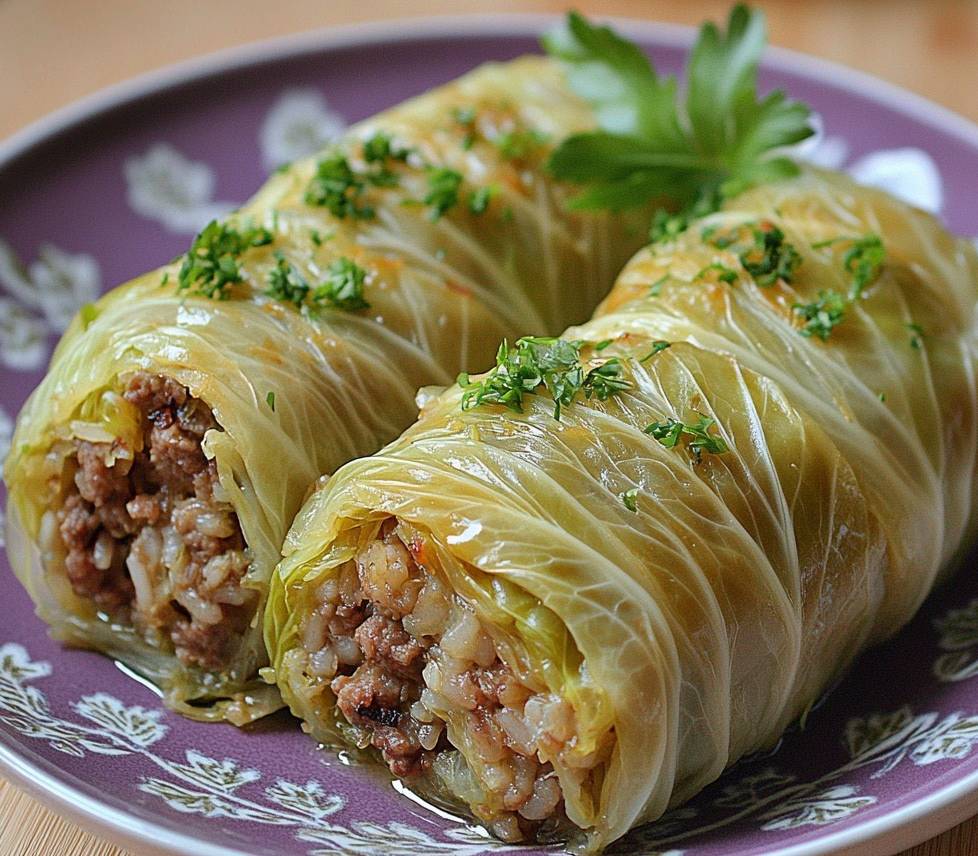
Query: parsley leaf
pixel 863 261
pixel 658 347
pixel 480 198
pixel 338 188
pixel 671 431
pixel 286 282
pixel 270 401
pixel 465 116
pixel 721 271
pixel 630 499
pixel 651 144
pixel 822 315
pixel 763 252
pixel 554 364
pixel 380 147
pixel 520 144
pixel 343 286
pixel 771 259
pixel 916 336
pixel 211 263
pixel 443 190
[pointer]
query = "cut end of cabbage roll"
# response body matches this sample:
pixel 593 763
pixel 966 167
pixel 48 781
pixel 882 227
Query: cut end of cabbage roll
pixel 388 656
pixel 144 529
pixel 138 527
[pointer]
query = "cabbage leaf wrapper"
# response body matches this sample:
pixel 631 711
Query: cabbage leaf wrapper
pixel 573 625
pixel 186 415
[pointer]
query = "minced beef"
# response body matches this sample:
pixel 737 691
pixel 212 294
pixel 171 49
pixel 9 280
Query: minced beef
pixel 168 483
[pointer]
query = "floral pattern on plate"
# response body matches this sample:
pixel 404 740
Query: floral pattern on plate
pixel 300 123
pixel 165 186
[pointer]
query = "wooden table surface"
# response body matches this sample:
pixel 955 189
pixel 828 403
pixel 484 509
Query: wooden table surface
pixel 54 51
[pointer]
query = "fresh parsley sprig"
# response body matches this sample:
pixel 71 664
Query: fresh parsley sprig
pixel 652 145
pixel 534 362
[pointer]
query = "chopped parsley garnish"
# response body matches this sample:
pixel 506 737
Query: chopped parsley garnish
pixel 520 144
pixel 657 348
pixel 863 260
pixel 630 499
pixel 822 316
pixel 667 225
pixel 465 116
pixel 604 343
pixel 443 190
pixel 480 198
pixel 270 401
pixel 554 364
pixel 656 288
pixel 286 282
pixel 316 237
pixel 723 273
pixel 343 286
pixel 166 278
pixel 770 258
pixel 720 139
pixel 211 263
pixel 916 336
pixel 338 188
pixel 605 380
pixel 671 431
pixel 761 249
pixel 380 148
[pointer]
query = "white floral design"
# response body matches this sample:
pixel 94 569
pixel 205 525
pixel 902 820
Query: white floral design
pixel 54 286
pixel 958 630
pixel 41 298
pixel 299 123
pixel 165 186
pixel 779 801
pixel 212 787
pixel 23 338
pixel 907 173
pixel 224 788
pixel 826 807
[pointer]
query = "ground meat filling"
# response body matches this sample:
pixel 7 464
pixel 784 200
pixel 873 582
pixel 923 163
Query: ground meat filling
pixel 401 652
pixel 147 540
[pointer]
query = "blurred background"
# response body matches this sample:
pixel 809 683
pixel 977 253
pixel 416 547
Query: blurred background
pixel 929 46
pixel 53 52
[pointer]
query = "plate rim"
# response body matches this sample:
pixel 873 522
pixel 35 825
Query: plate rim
pixel 880 836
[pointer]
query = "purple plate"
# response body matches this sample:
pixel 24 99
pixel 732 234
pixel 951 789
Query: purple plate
pixel 118 184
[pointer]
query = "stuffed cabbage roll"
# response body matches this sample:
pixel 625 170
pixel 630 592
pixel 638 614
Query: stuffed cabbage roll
pixel 185 415
pixel 585 583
